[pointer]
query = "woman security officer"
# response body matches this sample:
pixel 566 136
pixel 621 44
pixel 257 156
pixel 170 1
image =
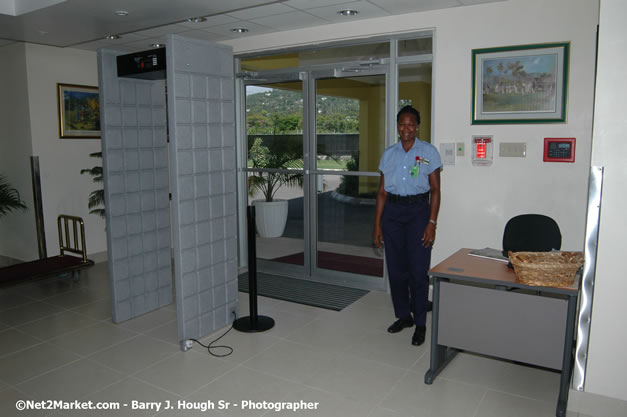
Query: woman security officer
pixel 408 202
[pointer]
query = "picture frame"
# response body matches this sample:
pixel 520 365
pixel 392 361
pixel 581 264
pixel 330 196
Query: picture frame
pixel 78 109
pixel 520 84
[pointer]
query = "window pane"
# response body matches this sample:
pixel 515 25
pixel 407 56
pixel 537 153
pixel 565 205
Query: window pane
pixel 419 46
pixel 345 216
pixel 285 245
pixel 274 121
pixel 373 51
pixel 414 89
pixel 350 123
pixel 332 55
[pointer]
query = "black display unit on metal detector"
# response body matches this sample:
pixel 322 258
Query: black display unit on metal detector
pixel 145 65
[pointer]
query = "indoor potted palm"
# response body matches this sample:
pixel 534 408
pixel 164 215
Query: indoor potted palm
pixel 9 198
pixel 96 202
pixel 277 154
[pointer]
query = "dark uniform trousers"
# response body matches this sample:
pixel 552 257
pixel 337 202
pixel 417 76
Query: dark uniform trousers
pixel 406 259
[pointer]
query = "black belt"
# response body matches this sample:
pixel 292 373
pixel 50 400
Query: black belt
pixel 408 199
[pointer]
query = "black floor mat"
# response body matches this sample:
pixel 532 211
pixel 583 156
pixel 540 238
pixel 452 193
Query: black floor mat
pixel 317 294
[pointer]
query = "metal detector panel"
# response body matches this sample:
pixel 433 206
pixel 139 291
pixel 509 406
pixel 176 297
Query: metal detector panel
pixel 202 174
pixel 135 170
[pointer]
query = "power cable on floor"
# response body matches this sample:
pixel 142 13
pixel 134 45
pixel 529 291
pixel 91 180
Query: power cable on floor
pixel 211 346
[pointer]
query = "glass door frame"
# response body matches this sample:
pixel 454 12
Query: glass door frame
pixel 328 275
pixel 241 131
pixel 309 270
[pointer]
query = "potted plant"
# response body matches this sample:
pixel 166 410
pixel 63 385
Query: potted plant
pixel 9 198
pixel 96 197
pixel 277 154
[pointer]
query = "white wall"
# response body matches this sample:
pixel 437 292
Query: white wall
pixel 607 369
pixel 31 123
pixel 18 236
pixel 64 189
pixel 477 201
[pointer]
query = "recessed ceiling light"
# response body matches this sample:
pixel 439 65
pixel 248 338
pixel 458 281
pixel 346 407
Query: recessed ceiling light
pixel 121 13
pixel 239 30
pixel 112 37
pixel 197 19
pixel 348 12
pixel 157 45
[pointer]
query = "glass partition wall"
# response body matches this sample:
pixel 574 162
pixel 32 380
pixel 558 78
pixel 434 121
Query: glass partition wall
pixel 313 125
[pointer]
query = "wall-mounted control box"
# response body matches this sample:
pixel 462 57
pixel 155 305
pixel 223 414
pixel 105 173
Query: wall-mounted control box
pixel 559 149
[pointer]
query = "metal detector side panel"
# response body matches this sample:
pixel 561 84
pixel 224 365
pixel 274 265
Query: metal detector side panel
pixel 135 171
pixel 202 174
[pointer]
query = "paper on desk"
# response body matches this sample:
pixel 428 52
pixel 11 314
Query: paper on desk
pixel 489 253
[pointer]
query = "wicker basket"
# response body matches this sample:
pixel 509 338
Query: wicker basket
pixel 548 269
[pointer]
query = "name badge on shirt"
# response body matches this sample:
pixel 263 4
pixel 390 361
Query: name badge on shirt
pixel 415 169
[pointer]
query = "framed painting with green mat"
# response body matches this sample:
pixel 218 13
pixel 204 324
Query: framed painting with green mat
pixel 520 84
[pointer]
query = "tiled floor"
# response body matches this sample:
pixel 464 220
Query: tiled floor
pixel 57 342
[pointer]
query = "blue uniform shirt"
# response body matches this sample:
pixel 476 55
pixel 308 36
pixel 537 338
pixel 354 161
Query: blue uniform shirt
pixel 397 166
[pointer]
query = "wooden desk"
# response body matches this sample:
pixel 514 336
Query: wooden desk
pixel 478 306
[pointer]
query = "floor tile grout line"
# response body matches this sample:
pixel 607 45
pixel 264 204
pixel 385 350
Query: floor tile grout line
pixel 389 392
pixel 483 397
pixel 524 397
pixel 51 370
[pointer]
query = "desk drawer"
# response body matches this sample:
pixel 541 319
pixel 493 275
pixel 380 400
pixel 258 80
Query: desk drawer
pixel 521 327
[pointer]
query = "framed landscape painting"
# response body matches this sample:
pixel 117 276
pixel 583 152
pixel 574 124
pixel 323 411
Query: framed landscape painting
pixel 520 84
pixel 79 111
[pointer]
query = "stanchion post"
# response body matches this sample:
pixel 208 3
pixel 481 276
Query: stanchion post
pixel 254 322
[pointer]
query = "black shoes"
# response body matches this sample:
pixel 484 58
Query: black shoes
pixel 400 324
pixel 419 336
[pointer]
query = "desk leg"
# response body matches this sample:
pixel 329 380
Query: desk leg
pixel 567 361
pixel 440 355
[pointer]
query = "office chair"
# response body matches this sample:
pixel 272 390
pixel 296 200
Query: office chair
pixel 531 232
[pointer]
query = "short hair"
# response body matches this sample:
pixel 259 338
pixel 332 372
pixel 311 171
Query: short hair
pixel 408 110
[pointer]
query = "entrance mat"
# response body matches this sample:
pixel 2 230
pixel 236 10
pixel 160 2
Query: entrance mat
pixel 316 294
pixel 339 262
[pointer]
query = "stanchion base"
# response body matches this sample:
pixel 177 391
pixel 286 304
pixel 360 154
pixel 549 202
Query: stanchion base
pixel 245 324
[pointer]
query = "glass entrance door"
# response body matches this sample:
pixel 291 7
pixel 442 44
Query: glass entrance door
pixel 275 177
pixel 313 150
pixel 350 130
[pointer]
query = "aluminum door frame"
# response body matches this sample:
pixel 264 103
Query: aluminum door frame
pixel 252 79
pixel 343 71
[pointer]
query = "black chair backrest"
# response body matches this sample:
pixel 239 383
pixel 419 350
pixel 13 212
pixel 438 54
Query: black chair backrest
pixel 531 232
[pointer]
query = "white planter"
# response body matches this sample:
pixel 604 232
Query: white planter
pixel 270 217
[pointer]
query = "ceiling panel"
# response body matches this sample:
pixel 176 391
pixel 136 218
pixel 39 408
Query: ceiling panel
pixel 263 11
pixel 407 6
pixel 76 21
pixel 84 23
pixel 294 20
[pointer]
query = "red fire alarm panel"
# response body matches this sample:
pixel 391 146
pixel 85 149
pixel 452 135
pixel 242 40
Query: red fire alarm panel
pixel 559 149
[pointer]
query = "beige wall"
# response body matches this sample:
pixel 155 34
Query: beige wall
pixel 33 86
pixel 18 237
